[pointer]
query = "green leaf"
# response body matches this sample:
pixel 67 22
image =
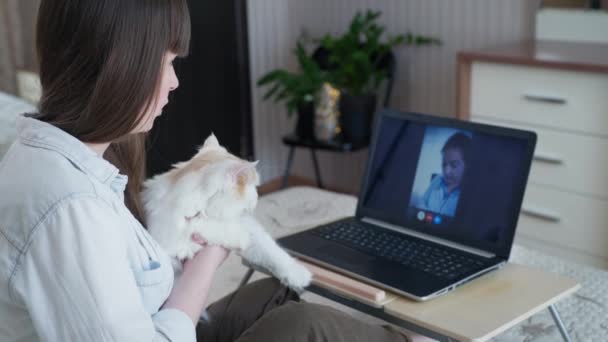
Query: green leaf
pixel 270 77
pixel 272 91
pixel 354 57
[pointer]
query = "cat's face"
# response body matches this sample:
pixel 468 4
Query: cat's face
pixel 231 181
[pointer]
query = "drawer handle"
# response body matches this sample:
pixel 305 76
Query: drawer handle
pixel 545 99
pixel 547 158
pixel 541 213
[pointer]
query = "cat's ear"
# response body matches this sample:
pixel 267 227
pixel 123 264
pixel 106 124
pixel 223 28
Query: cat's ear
pixel 211 141
pixel 242 172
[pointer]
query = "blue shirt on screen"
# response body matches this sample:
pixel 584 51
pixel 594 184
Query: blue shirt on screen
pixel 438 200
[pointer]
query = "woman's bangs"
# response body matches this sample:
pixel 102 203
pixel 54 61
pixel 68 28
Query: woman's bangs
pixel 179 25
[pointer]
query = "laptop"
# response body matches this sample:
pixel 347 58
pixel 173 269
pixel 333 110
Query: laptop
pixel 438 206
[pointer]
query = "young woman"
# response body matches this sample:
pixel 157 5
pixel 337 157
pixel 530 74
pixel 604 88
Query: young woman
pixel 442 194
pixel 76 263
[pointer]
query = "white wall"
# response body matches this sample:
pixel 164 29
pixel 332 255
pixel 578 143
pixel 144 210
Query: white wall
pixel 425 81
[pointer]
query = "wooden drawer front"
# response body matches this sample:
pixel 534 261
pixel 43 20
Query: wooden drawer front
pixel 567 161
pixel 562 99
pixel 565 219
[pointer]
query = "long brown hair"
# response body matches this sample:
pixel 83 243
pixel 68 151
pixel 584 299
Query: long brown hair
pixel 100 67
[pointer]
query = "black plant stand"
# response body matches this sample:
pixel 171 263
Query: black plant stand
pixel 294 141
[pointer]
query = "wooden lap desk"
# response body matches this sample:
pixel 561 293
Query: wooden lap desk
pixel 476 311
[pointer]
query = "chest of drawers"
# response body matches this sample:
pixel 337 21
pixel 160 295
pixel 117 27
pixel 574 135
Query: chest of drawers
pixel 560 91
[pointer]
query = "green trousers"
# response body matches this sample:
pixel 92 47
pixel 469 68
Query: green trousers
pixel 267 311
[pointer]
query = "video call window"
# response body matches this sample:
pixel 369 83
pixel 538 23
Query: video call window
pixel 454 182
pixel 442 167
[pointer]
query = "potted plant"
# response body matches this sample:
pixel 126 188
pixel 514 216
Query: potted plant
pixel 358 62
pixel 297 89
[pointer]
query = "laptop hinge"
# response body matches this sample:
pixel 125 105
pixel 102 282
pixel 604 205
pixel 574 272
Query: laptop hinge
pixel 427 237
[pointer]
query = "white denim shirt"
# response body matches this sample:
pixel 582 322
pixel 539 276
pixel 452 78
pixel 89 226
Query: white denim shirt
pixel 75 265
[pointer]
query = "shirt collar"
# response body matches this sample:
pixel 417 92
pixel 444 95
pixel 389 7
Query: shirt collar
pixel 44 135
pixel 444 187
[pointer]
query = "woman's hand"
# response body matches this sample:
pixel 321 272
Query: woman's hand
pixel 210 253
pixel 190 292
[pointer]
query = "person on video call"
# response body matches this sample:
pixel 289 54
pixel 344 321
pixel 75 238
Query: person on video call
pixel 443 192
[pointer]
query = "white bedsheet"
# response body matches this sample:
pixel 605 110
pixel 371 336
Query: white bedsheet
pixel 10 108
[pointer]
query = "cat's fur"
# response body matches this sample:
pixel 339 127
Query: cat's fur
pixel 214 194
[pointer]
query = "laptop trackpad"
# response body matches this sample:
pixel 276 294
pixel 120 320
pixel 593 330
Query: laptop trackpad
pixel 343 256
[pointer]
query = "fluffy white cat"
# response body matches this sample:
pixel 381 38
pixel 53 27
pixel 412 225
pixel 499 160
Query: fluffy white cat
pixel 214 194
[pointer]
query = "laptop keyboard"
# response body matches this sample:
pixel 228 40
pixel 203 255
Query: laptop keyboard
pixel 424 257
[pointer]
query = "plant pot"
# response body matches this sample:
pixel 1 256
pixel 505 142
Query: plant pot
pixel 356 113
pixel 305 123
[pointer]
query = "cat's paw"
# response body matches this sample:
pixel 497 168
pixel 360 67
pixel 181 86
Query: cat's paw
pixel 297 277
pixel 243 242
pixel 237 245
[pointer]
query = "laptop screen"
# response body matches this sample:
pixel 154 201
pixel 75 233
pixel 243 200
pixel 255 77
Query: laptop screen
pixel 452 179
